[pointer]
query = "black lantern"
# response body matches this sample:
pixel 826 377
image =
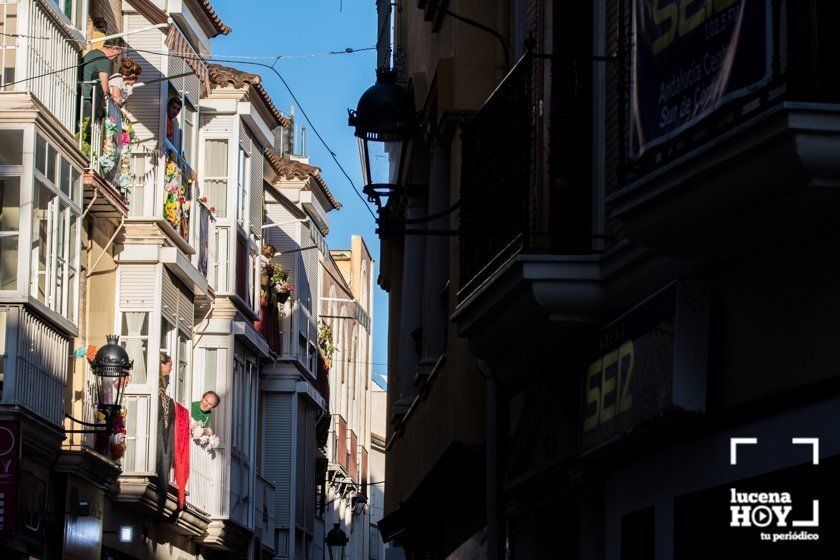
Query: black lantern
pixel 336 542
pixel 111 367
pixel 385 123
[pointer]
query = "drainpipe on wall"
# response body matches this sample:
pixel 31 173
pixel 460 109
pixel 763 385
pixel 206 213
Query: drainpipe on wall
pixel 495 548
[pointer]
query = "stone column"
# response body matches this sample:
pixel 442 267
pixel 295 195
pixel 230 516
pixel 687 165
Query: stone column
pixel 411 306
pixel 436 270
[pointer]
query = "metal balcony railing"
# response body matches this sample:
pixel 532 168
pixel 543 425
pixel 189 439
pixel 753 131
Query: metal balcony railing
pixel 35 366
pixel 497 177
pixel 103 136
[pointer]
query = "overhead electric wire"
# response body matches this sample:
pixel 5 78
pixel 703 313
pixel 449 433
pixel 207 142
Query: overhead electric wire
pixel 294 98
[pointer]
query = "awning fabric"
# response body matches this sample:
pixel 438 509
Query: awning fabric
pixel 178 45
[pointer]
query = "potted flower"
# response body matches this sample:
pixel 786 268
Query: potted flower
pixel 280 280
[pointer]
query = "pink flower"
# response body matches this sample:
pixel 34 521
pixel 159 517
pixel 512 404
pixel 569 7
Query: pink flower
pixel 126 138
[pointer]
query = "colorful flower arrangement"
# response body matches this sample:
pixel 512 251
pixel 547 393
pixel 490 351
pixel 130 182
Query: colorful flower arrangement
pixel 207 442
pixel 128 141
pixel 280 278
pixel 117 443
pixel 178 187
pixel 110 150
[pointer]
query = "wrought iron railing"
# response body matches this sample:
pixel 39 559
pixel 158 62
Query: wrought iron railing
pixel 524 188
pixel 497 177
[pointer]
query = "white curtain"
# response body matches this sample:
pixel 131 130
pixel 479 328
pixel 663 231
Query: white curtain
pixel 136 346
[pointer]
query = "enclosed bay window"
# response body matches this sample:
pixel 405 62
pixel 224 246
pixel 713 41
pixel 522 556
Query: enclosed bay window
pixel 216 175
pixel 55 231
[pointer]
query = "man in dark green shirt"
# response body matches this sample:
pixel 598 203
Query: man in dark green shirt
pixel 202 410
pixel 96 66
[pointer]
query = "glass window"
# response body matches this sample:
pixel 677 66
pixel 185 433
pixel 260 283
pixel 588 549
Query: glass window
pixel 55 231
pixel 8 43
pixel 51 163
pixel 9 223
pixel 183 365
pixel 242 178
pixel 216 175
pixel 42 241
pixel 65 176
pixel 211 366
pixel 190 132
pixel 11 146
pixel 2 349
pixel 135 339
pixel 41 155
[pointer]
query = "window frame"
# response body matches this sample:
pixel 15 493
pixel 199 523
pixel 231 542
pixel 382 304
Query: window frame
pixel 70 259
pixel 243 177
pixel 226 178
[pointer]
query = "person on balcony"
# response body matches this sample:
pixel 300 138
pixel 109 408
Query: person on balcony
pixel 202 411
pixel 95 69
pixel 173 109
pixel 269 318
pixel 122 83
pixel 166 420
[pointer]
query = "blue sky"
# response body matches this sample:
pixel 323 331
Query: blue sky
pixel 326 86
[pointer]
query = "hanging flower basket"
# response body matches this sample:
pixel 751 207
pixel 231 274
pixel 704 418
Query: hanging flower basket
pixel 283 294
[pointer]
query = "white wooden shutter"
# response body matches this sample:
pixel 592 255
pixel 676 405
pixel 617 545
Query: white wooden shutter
pixel 277 422
pixel 137 286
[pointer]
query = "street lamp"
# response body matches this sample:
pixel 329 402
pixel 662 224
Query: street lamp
pixel 110 367
pixel 336 542
pixel 385 123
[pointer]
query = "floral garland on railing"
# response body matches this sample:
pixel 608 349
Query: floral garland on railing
pixel 178 186
pixel 211 210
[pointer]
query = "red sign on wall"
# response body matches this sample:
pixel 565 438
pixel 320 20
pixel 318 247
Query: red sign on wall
pixel 9 463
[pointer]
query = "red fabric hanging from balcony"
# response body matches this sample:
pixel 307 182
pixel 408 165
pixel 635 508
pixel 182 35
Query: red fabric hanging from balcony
pixel 182 452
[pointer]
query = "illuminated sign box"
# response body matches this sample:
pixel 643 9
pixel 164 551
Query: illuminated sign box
pixel 651 360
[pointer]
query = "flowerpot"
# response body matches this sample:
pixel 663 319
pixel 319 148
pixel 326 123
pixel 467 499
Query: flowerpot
pixel 283 296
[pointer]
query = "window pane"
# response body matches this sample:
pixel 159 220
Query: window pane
pixel 216 192
pixel 9 203
pixel 8 262
pixel 51 163
pixel 41 155
pixel 135 331
pixel 2 349
pixel 74 236
pixel 76 186
pixel 210 367
pixel 182 369
pixel 11 146
pixel 8 44
pixel 190 118
pixel 41 240
pixel 215 158
pixel 64 176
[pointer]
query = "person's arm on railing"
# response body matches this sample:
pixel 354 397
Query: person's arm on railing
pixel 103 81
